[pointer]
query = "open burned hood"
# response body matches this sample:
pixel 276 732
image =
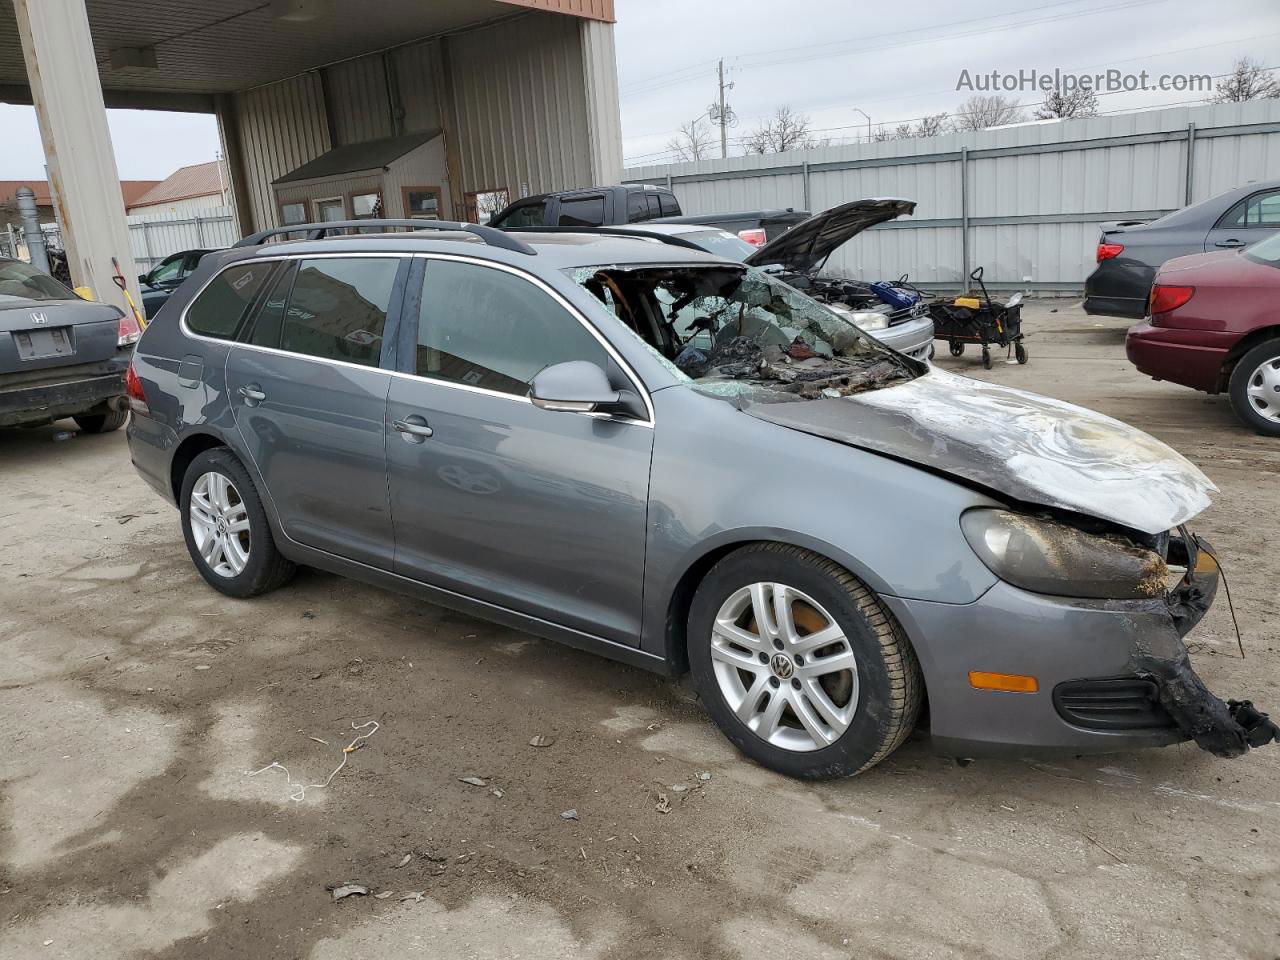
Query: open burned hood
pixel 1028 447
pixel 810 242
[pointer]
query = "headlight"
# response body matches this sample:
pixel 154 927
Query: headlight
pixel 866 319
pixel 1048 557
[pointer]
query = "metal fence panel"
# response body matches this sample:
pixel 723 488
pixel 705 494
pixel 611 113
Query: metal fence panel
pixel 154 236
pixel 1032 195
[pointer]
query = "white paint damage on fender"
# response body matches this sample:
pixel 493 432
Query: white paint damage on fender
pixel 1033 448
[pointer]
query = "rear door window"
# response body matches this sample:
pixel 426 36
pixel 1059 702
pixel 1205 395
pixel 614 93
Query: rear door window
pixel 337 308
pixel 219 309
pixel 267 324
pixel 582 211
pixel 637 208
pixel 525 215
pixel 669 206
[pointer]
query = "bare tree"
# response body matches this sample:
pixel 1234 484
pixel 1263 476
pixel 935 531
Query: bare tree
pixel 1248 80
pixel 785 130
pixel 882 134
pixel 988 110
pixel 693 142
pixel 1068 104
pixel 934 125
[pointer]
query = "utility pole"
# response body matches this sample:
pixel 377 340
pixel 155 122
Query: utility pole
pixel 721 113
pixel 865 114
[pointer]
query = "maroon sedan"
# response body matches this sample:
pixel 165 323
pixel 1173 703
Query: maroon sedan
pixel 1214 324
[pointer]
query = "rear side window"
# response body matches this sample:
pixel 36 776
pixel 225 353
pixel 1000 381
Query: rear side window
pixel 669 206
pixel 488 328
pixel 270 319
pixel 582 212
pixel 220 307
pixel 1260 210
pixel 337 309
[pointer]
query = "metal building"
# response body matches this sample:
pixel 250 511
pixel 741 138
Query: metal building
pixel 315 99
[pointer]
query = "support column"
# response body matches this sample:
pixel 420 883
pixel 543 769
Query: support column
pixel 604 122
pixel 63 73
pixel 228 114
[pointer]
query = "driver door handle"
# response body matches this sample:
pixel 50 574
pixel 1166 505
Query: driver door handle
pixel 252 394
pixel 412 429
pixel 1232 242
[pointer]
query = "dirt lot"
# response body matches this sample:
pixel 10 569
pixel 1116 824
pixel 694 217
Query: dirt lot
pixel 135 700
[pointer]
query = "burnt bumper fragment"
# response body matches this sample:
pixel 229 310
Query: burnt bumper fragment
pixel 1225 729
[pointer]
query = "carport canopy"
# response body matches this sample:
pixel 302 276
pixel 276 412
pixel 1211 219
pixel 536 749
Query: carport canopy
pixel 181 55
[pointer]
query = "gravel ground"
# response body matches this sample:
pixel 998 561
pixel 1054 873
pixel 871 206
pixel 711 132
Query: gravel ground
pixel 136 700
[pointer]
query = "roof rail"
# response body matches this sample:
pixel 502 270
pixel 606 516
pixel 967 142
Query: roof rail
pixel 635 231
pixel 318 231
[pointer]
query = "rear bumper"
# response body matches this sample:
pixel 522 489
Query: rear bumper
pixel 1119 287
pixel 914 338
pixel 151 448
pixel 1070 646
pixel 1165 354
pixel 41 401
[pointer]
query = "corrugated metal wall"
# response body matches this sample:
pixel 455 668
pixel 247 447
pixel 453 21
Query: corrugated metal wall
pixel 518 118
pixel 1035 193
pixel 282 126
pixel 519 108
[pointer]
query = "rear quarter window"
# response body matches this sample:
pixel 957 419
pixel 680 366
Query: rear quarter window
pixel 668 205
pixel 221 306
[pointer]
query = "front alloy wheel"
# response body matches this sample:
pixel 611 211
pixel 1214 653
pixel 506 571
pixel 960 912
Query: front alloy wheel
pixel 799 664
pixel 1255 388
pixel 784 666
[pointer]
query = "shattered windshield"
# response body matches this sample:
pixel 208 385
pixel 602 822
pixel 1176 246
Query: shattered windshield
pixel 735 331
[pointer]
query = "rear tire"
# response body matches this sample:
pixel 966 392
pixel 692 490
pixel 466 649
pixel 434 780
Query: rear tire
pixel 226 528
pixel 101 422
pixel 789 706
pixel 1255 388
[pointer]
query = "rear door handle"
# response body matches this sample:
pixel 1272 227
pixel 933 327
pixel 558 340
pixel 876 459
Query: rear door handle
pixel 1230 243
pixel 252 394
pixel 413 429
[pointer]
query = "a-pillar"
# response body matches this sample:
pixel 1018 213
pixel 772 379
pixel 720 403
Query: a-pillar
pixel 63 73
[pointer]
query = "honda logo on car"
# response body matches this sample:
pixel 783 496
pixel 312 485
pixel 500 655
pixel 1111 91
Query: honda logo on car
pixel 39 318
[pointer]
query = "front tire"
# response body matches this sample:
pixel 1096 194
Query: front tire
pixel 226 529
pixel 799 664
pixel 101 422
pixel 1255 388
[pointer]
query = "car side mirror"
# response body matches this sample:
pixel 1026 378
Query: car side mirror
pixel 575 386
pixel 144 279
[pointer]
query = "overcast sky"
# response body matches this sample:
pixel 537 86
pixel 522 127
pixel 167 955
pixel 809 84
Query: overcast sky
pixel 895 60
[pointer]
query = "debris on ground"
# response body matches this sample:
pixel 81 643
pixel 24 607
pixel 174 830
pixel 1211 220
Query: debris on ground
pixel 415 897
pixel 499 794
pixel 474 781
pixel 308 615
pixel 542 740
pixel 570 814
pixel 298 791
pixel 350 890
pixel 664 804
pixel 704 775
pixel 404 861
pixel 126 517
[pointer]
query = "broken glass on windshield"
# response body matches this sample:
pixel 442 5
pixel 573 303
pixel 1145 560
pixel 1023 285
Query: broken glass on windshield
pixel 738 332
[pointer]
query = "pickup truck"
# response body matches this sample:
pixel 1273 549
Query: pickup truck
pixel 590 207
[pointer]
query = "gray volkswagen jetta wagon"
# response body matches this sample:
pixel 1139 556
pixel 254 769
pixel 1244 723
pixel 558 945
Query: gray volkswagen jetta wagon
pixel 684 464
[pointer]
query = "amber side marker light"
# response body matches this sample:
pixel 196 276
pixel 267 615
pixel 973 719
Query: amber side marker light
pixel 1004 682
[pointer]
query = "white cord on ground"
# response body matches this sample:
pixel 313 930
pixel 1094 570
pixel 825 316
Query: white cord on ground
pixel 299 790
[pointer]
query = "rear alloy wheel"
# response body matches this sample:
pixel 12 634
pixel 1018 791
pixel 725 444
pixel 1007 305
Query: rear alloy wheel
pixel 101 422
pixel 1255 388
pixel 799 664
pixel 226 527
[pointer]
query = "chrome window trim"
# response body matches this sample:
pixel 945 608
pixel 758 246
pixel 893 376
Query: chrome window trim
pixel 626 368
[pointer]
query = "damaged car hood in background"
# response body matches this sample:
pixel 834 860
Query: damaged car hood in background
pixel 809 243
pixel 1032 448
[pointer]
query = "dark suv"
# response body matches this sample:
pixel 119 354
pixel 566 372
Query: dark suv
pixel 818 528
pixel 590 207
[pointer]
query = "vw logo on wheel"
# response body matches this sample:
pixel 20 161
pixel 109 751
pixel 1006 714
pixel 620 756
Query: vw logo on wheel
pixel 782 666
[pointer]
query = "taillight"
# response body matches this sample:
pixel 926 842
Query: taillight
pixel 133 390
pixel 1166 299
pixel 128 331
pixel 1108 250
pixel 756 236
